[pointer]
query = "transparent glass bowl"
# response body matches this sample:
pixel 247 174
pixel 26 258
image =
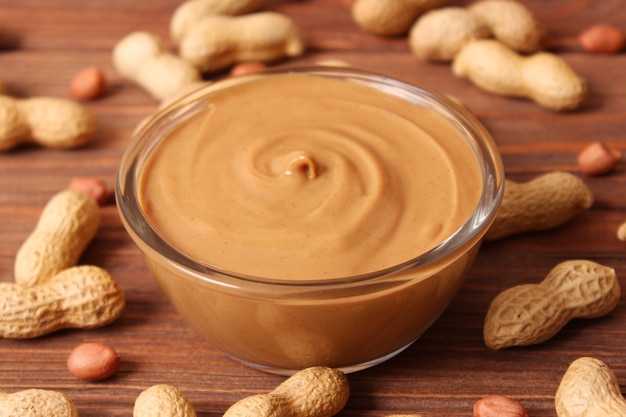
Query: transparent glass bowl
pixel 351 323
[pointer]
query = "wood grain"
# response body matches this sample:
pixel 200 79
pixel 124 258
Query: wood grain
pixel 45 42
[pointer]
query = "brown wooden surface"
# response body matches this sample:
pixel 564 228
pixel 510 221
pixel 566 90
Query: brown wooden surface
pixel 46 41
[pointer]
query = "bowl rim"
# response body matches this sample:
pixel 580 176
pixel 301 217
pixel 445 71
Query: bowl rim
pixel 464 121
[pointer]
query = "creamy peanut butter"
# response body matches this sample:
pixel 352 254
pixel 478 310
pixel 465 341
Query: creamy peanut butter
pixel 298 177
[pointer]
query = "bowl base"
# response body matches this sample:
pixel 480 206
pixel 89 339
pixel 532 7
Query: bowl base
pixel 344 369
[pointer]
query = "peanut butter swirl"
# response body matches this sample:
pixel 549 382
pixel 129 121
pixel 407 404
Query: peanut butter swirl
pixel 299 177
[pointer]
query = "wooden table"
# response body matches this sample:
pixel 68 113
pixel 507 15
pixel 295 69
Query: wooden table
pixel 45 42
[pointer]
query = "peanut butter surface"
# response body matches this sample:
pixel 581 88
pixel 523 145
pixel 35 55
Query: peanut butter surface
pixel 298 177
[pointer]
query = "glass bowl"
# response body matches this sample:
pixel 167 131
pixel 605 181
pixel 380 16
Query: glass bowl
pixel 348 322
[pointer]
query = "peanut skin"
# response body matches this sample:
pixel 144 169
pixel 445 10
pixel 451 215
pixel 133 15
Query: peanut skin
pixel 47 121
pixel 533 313
pixel 621 232
pixel 311 392
pixel 494 405
pixel 603 39
pixel 589 388
pixel 36 403
pixel 163 401
pixel 93 361
pixel 79 297
pixel 542 203
pixel 542 77
pixel 94 187
pixel 67 224
pixel 88 84
pixel 218 42
pixel 598 158
pixel 247 68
